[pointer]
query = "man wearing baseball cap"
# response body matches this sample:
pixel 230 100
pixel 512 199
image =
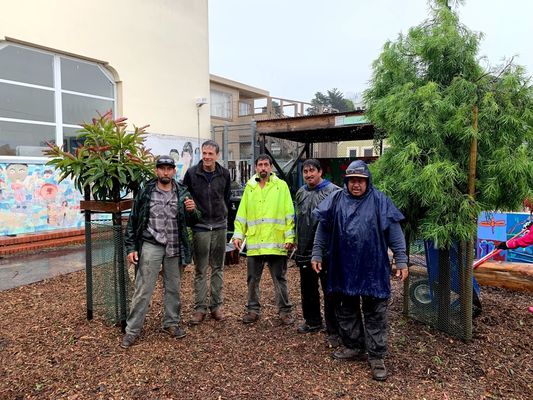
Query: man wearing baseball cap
pixel 356 227
pixel 156 235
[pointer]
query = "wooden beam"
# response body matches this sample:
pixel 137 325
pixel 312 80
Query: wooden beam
pixel 507 275
pixel 106 206
pixel 324 121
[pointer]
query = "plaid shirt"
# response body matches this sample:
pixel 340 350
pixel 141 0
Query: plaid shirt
pixel 162 223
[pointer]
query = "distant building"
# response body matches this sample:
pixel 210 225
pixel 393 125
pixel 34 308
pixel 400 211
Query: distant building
pixel 234 108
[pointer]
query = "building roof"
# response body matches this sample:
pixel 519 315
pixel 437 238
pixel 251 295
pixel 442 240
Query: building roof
pixel 332 127
pixel 245 91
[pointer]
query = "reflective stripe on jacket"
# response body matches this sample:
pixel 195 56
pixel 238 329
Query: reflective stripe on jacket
pixel 265 217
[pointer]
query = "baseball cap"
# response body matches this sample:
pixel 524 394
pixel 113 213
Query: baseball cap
pixel 165 160
pixel 359 171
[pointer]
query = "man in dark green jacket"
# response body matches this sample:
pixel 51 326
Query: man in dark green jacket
pixel 156 235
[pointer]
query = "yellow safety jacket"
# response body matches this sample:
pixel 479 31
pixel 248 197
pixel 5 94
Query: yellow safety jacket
pixel 265 217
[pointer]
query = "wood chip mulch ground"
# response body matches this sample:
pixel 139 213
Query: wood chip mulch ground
pixel 48 350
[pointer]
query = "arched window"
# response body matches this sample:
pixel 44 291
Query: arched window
pixel 44 97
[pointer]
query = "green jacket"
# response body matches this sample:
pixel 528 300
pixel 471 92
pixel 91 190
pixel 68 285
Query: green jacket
pixel 265 217
pixel 140 213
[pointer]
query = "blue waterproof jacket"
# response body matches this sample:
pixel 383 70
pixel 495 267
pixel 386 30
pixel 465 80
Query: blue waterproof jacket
pixel 356 232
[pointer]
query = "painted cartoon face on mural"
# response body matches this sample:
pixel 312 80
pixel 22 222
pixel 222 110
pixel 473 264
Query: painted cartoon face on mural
pixel 48 191
pixel 197 156
pixel 48 176
pixel 175 154
pixel 186 155
pixel 17 172
pixel 181 150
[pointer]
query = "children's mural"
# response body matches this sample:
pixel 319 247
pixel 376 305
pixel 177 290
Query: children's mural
pixel 494 228
pixel 32 200
pixel 180 149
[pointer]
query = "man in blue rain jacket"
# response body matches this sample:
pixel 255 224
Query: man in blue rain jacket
pixel 356 228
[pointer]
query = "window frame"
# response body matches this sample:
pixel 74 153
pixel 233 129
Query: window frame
pixel 229 104
pixel 351 148
pixel 371 148
pixel 245 105
pixel 58 98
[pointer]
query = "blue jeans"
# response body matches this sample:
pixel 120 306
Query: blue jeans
pixel 152 256
pixel 278 271
pixel 209 249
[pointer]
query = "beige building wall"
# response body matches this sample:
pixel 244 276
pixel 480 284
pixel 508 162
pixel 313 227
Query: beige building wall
pixel 343 148
pixel 158 51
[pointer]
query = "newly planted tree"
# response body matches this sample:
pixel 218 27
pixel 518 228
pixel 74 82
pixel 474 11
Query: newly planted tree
pixel 111 162
pixel 461 136
pixel 430 97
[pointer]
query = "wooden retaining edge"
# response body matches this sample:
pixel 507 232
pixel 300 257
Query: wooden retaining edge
pixel 507 275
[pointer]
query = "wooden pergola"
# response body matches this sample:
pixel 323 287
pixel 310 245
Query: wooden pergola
pixel 311 129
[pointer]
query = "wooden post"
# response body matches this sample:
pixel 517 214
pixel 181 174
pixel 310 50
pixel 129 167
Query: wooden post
pixel 120 267
pixel 473 155
pixel 88 257
pixel 467 270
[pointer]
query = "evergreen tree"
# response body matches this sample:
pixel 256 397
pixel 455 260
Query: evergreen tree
pixel 333 100
pixel 445 117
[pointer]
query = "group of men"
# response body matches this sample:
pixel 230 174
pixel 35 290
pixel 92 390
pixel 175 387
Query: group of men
pixel 340 239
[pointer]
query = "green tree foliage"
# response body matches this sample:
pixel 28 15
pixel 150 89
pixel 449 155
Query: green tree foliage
pixel 425 90
pixel 276 109
pixel 334 99
pixel 111 161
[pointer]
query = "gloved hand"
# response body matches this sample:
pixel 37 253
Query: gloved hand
pixel 528 225
pixel 502 246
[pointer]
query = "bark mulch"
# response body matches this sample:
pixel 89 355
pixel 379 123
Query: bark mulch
pixel 48 350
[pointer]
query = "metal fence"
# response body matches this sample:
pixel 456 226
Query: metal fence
pixel 109 282
pixel 441 290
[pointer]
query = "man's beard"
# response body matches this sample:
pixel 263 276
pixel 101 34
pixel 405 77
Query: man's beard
pixel 164 180
pixel 263 174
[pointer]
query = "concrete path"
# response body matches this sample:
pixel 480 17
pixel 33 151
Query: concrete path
pixel 25 269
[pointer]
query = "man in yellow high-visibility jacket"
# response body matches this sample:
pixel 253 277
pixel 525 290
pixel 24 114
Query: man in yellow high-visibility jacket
pixel 266 219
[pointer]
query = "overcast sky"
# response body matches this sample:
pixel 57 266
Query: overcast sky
pixel 294 48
